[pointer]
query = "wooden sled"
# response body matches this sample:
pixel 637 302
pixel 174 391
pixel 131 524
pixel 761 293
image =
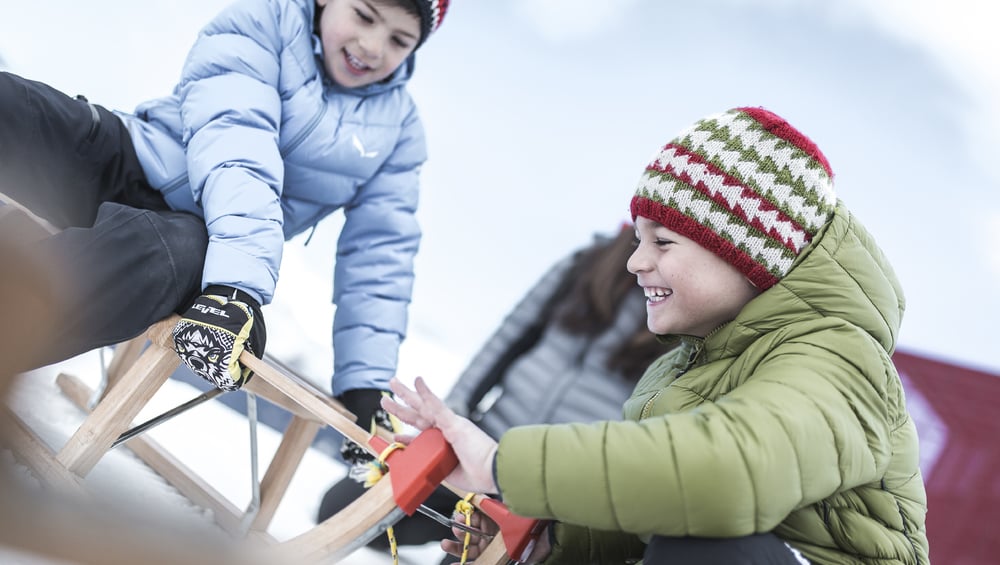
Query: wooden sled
pixel 139 370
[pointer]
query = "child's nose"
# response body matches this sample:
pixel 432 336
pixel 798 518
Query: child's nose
pixel 370 45
pixel 636 262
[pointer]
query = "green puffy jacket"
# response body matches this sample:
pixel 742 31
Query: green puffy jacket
pixel 790 419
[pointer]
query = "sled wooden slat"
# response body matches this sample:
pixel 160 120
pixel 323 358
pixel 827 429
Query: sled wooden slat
pixel 343 532
pixel 295 390
pixel 166 465
pixel 114 414
pixel 126 354
pixel 294 444
pixel 33 452
pixel 296 440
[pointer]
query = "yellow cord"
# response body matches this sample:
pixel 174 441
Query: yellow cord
pixel 465 507
pixel 377 469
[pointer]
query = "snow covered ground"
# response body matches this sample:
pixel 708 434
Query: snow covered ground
pixel 211 439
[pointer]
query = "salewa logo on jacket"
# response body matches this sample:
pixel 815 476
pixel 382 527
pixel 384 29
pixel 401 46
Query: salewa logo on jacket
pixel 361 148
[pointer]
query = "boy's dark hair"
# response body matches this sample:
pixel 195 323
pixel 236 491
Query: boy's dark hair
pixel 408 6
pixel 598 285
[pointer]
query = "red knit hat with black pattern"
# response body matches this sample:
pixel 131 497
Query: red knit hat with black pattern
pixel 431 15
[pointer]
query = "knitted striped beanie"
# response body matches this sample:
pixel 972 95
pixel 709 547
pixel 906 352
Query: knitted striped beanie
pixel 745 185
pixel 431 15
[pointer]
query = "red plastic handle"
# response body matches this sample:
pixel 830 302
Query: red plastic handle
pixel 519 532
pixel 417 470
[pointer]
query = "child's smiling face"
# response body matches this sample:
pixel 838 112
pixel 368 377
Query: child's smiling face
pixel 365 41
pixel 689 290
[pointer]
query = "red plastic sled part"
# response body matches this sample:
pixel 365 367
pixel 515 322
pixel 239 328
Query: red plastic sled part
pixel 418 469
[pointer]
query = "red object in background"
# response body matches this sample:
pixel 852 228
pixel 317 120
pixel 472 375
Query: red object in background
pixel 956 413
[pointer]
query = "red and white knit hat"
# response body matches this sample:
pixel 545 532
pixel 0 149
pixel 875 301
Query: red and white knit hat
pixel 431 15
pixel 745 185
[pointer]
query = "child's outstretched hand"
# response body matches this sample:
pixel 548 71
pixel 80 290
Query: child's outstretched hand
pixel 474 449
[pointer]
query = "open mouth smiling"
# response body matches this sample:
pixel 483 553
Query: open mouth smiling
pixel 354 64
pixel 655 295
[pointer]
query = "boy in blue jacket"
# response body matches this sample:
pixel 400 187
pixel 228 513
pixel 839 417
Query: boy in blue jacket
pixel 286 111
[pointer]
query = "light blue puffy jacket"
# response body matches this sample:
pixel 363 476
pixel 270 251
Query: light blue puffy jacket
pixel 258 141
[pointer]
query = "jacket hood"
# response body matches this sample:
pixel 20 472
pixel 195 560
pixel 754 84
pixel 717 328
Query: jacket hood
pixel 841 274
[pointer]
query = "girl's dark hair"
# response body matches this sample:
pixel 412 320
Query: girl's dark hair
pixel 599 285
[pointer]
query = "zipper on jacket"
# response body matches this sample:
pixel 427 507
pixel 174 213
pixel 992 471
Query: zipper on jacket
pixel 647 406
pixel 294 144
pixel 692 357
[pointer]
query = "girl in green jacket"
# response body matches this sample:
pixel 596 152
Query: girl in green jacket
pixel 776 430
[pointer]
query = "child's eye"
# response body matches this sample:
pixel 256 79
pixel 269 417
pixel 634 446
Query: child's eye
pixel 662 242
pixel 401 43
pixel 363 16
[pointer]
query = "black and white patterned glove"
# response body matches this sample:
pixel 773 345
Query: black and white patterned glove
pixel 213 333
pixel 365 404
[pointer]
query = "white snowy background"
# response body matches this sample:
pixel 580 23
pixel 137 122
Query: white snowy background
pixel 540 116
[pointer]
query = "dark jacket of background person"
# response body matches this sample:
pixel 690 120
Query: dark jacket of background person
pixel 570 351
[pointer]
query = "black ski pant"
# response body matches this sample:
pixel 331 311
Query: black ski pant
pixel 122 258
pixel 757 549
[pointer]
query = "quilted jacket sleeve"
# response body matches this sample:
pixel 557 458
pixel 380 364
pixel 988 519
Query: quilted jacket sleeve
pixel 805 424
pixel 231 111
pixel 373 279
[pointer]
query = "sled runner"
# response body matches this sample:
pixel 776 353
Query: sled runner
pixel 141 370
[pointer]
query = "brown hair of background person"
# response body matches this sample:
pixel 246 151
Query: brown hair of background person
pixel 594 300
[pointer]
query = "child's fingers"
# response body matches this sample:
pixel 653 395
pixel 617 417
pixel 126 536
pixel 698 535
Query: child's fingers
pixel 433 407
pixel 427 396
pixel 404 413
pixel 410 397
pixel 407 415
